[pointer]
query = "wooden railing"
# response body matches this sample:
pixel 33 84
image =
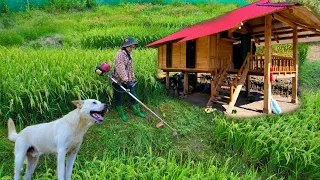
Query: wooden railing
pixel 243 69
pixel 279 63
pixel 256 63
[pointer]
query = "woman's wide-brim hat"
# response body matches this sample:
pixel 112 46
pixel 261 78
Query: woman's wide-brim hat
pixel 128 42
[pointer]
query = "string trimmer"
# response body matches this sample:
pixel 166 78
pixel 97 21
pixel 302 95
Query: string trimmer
pixel 103 70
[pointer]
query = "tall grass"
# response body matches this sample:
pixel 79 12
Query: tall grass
pixel 113 37
pixel 38 85
pixel 149 166
pixel 41 84
pixel 106 26
pixel 287 145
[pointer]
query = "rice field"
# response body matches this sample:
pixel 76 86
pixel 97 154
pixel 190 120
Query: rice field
pixel 40 79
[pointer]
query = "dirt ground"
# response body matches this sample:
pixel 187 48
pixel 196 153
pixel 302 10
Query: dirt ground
pixel 243 106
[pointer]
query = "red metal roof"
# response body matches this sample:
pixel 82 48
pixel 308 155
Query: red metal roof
pixel 222 23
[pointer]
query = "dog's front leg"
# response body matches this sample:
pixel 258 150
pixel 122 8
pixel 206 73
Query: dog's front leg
pixel 61 164
pixel 70 161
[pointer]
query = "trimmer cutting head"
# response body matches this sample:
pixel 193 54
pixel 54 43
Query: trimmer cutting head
pixel 175 133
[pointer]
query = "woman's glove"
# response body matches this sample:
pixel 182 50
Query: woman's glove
pixel 130 84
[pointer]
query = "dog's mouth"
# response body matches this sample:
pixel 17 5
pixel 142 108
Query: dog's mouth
pixel 98 115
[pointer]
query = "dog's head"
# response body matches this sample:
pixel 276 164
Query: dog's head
pixel 92 109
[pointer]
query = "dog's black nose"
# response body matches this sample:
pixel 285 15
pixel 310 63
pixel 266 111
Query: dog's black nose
pixel 106 106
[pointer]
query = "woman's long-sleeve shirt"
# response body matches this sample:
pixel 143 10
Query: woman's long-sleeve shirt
pixel 123 67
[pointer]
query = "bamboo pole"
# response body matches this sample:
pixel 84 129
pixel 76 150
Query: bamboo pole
pixel 267 60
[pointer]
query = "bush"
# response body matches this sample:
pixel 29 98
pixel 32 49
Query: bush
pixel 9 38
pixel 303 53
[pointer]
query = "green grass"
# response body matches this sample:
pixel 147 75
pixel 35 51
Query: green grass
pixel 311 79
pixel 38 82
pixel 115 141
pixel 287 144
pixel 107 26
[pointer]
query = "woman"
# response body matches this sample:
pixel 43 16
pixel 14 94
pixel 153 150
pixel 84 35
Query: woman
pixel 123 73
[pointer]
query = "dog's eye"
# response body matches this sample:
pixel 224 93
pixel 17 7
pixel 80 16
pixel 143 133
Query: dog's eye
pixel 94 102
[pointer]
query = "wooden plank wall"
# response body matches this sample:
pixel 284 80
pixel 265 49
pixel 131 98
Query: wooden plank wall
pixel 225 52
pixel 213 51
pixel 202 53
pixel 179 55
pixel 160 57
pixel 183 57
pixel 176 55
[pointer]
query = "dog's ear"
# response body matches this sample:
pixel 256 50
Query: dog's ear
pixel 78 103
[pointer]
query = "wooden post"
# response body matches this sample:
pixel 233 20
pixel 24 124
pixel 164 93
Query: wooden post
pixel 185 83
pixel 248 83
pixel 267 64
pixel 295 64
pixel 167 80
pixel 211 83
pixel 231 92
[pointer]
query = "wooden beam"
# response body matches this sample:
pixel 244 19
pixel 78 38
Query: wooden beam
pixel 295 19
pixel 267 65
pixel 282 30
pixel 185 83
pixel 213 75
pixel 218 44
pixel 284 20
pixel 188 69
pixel 299 37
pixel 254 37
pixel 273 30
pixel 296 22
pixel 296 63
pixel 167 80
pixel 282 33
pixel 275 37
pixel 230 31
pixel 306 28
pixel 248 83
pixel 302 16
pixel 262 25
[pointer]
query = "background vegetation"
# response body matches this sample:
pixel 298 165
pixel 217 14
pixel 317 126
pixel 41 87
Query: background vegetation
pixel 48 58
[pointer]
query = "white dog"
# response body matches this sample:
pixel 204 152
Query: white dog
pixel 63 137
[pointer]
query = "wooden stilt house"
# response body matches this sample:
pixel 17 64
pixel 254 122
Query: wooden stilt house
pixel 226 44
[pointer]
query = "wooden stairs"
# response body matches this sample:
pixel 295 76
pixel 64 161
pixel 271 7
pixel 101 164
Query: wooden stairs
pixel 220 92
